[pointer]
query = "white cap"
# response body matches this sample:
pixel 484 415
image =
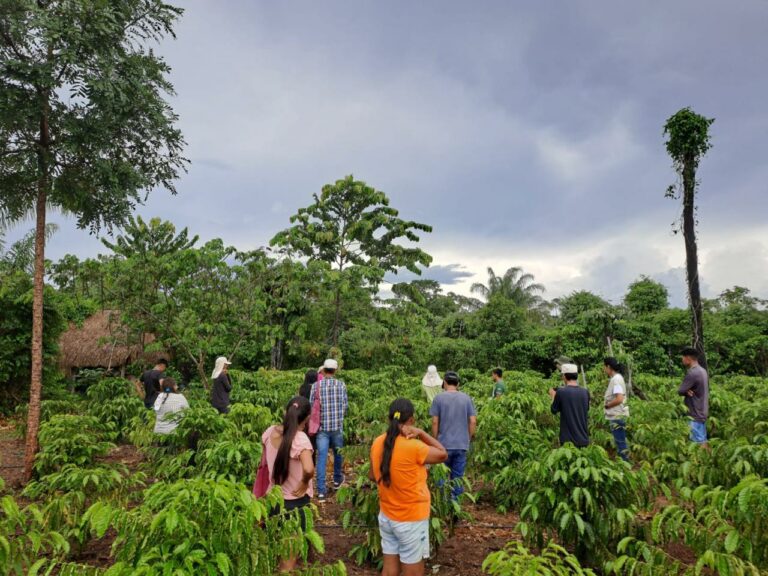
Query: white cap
pixel 223 360
pixel 569 369
pixel 432 369
pixel 330 364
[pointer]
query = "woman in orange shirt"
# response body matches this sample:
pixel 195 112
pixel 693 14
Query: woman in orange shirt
pixel 398 466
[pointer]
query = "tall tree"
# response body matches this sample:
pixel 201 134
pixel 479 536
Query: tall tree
pixel 352 227
pixel 515 285
pixel 646 296
pixel 688 141
pixel 84 125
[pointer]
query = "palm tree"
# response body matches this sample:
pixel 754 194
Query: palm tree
pixel 21 254
pixel 515 285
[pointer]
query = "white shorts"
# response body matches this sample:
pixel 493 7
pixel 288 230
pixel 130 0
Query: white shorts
pixel 408 540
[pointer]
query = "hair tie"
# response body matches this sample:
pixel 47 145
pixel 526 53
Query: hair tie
pixel 295 405
pixel 397 416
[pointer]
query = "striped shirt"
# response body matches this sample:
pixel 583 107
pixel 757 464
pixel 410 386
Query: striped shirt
pixel 333 403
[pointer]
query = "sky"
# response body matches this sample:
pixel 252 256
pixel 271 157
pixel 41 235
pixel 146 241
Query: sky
pixel 526 133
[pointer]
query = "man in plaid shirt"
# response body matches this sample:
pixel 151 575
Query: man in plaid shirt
pixel 333 408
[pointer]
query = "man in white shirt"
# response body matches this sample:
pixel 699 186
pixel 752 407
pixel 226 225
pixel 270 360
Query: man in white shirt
pixel 616 409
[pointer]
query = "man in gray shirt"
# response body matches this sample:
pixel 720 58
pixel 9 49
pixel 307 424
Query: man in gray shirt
pixel 454 421
pixel 695 393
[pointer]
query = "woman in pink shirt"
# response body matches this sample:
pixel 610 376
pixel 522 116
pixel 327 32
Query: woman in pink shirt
pixel 289 458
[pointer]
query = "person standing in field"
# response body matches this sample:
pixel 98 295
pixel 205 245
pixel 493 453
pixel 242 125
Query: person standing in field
pixel 166 405
pixel 499 388
pixel 151 381
pixel 572 403
pixel 222 385
pixel 454 422
pixel 333 410
pixel 289 461
pixel 399 462
pixel 432 384
pixel 615 406
pixel 309 380
pixel 695 393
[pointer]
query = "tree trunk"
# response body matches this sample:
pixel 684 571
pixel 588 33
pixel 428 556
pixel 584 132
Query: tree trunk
pixel 692 259
pixel 337 318
pixel 276 357
pixel 36 384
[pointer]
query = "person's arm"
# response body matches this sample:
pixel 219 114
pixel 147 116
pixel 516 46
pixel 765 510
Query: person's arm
pixel 308 472
pixel 345 400
pixel 617 400
pixel 555 401
pixel 472 426
pixel 687 388
pixel 227 381
pixel 312 393
pixel 437 453
pixel 435 425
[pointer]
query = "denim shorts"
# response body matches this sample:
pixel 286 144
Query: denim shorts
pixel 408 540
pixel 698 432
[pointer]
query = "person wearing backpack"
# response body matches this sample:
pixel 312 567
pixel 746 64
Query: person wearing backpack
pixel 288 458
pixel 329 407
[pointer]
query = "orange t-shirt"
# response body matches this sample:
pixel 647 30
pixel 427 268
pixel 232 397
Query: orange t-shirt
pixel 407 497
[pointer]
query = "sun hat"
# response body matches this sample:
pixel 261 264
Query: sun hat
pixel 221 361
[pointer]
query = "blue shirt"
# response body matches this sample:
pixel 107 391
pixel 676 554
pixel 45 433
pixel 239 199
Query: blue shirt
pixel 453 410
pixel 333 403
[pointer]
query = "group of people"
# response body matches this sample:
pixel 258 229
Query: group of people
pixel 571 402
pixel 296 452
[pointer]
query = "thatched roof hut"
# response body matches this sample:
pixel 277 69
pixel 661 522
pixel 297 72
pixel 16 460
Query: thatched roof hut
pixel 101 343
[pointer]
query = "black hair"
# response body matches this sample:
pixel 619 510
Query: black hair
pixel 330 371
pixel 310 377
pixel 162 361
pixel 571 376
pixel 692 352
pixel 400 411
pixel 613 364
pixel 451 378
pixel 498 371
pixel 296 412
pixel 168 385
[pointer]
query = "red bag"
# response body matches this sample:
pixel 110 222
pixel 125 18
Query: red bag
pixel 314 415
pixel 263 481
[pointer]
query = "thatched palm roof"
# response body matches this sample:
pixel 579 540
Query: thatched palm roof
pixel 101 343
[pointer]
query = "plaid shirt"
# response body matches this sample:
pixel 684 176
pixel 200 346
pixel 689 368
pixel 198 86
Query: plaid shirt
pixel 333 403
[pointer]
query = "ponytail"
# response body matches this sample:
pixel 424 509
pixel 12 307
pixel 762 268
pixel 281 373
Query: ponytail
pixel 400 412
pixel 296 412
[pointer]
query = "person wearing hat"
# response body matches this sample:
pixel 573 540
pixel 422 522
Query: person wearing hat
pixel 572 403
pixel 432 384
pixel 695 393
pixel 222 385
pixel 333 408
pixel 454 422
pixel 615 406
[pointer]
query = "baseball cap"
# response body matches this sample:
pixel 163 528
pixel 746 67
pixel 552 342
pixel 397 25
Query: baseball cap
pixel 569 369
pixel 330 364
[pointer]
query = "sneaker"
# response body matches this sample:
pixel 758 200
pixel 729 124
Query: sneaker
pixel 337 485
pixel 321 498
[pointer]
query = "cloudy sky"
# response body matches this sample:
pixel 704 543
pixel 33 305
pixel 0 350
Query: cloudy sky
pixel 528 134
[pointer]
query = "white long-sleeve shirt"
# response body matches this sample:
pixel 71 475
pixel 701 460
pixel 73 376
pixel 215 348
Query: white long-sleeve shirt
pixel 167 404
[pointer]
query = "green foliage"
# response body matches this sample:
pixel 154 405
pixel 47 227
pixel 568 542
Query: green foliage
pixel 202 526
pixel 646 296
pixel 517 560
pixel 689 137
pixel 581 495
pixel 69 439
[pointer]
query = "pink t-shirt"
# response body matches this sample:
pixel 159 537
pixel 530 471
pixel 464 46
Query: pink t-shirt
pixel 295 470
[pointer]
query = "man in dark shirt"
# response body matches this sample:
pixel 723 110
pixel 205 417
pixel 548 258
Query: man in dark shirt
pixel 151 380
pixel 695 393
pixel 572 403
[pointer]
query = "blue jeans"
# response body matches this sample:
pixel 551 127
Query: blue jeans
pixel 698 432
pixel 457 462
pixel 619 431
pixel 326 440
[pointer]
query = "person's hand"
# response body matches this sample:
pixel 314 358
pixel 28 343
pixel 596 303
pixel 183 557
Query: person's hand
pixel 301 489
pixel 552 393
pixel 690 393
pixel 411 432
